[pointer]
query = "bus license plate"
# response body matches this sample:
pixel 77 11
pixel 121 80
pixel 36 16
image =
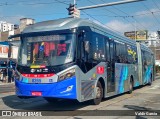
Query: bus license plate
pixel 36 93
pixel 36 80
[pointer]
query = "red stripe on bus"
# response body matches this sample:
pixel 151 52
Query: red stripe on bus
pixel 37 75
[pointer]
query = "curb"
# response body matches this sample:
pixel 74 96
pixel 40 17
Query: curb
pixel 1 84
pixel 156 77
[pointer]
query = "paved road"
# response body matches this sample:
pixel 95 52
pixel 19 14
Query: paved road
pixel 144 98
pixel 7 87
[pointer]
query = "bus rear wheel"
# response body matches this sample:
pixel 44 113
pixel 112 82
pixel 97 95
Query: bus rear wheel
pixel 99 94
pixel 131 86
pixel 150 81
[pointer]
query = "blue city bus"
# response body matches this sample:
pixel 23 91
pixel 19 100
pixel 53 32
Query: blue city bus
pixel 74 58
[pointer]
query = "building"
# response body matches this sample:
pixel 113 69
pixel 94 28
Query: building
pixel 153 39
pixel 154 45
pixel 4 26
pixel 4 35
pixel 24 22
pixel 8 29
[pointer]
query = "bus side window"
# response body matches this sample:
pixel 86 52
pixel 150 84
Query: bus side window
pixel 117 58
pixel 120 53
pixel 98 47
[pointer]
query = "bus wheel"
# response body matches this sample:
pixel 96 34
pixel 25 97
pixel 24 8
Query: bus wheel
pixel 150 81
pixel 99 94
pixel 51 100
pixel 131 86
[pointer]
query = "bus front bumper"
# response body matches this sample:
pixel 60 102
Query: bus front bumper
pixel 63 89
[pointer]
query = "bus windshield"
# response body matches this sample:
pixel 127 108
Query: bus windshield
pixel 49 50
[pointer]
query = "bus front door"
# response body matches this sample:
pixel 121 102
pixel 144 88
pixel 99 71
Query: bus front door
pixel 110 48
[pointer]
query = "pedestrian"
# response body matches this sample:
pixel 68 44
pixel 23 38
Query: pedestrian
pixel 9 75
pixel 13 74
pixel 1 74
pixel 5 75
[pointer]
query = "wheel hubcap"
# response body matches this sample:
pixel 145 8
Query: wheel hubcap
pixel 98 94
pixel 130 86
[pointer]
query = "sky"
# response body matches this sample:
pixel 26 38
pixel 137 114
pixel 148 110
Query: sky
pixel 144 15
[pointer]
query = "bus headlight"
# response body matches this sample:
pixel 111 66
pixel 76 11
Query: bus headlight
pixel 66 74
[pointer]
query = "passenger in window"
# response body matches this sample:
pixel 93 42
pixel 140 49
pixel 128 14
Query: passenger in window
pixel 95 56
pixel 126 60
pixel 121 58
pixel 100 54
pixel 118 59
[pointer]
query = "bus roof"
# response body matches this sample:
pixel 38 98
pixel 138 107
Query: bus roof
pixel 68 23
pixel 144 47
pixel 59 24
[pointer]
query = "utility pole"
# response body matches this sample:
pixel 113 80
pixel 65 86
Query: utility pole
pixel 76 11
pixel 108 4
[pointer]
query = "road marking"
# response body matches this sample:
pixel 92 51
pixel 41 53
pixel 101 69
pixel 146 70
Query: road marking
pixel 16 101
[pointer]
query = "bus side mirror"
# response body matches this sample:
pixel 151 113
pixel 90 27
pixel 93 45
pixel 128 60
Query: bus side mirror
pixel 86 46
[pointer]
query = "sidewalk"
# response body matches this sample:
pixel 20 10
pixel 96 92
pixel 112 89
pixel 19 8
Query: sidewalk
pixel 1 83
pixel 157 77
pixel 5 83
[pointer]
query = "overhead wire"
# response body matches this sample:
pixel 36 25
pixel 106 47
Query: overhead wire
pixel 36 3
pixel 142 14
pixel 117 15
pixel 125 17
pixel 104 8
pixel 101 22
pixel 155 3
pixel 152 13
pixel 32 15
pixel 128 16
pixel 107 15
pixel 55 1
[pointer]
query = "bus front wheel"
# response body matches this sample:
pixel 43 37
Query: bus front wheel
pixel 99 94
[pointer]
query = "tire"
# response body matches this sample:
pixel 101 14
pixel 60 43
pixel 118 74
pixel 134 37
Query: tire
pixel 131 86
pixel 99 94
pixel 51 100
pixel 150 81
